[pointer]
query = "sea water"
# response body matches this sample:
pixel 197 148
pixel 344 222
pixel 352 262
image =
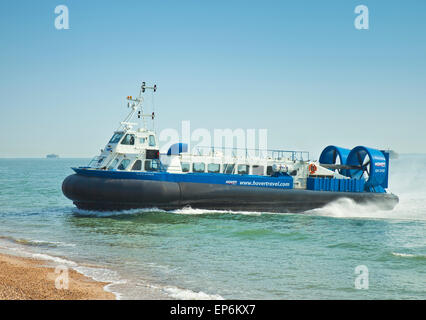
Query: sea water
pixel 200 254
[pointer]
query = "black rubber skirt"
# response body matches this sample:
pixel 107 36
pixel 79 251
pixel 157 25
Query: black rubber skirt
pixel 103 194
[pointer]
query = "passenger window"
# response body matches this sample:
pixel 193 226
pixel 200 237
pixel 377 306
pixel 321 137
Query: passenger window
pixel 137 165
pixel 257 170
pixel 124 164
pixel 243 169
pixel 152 165
pixel 185 166
pixel 228 168
pixel 198 167
pixel 113 164
pixel 213 167
pixel 156 165
pixel 268 170
pixel 129 139
pixel 151 141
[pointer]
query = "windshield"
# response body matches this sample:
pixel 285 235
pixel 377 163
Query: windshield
pixel 116 137
pixel 129 139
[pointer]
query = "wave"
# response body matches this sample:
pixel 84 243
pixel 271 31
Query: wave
pixel 409 208
pixel 188 210
pixel 50 243
pixel 191 211
pixel 100 214
pixel 37 243
pixel 43 256
pixel 409 255
pixel 103 275
pixel 347 208
pixel 185 294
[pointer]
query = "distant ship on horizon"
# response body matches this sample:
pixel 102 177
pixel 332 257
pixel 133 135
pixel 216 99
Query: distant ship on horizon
pixel 52 156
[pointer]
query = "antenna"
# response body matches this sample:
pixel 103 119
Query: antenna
pixel 144 87
pixel 135 104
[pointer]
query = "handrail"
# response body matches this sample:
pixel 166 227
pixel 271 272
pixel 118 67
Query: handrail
pixel 274 154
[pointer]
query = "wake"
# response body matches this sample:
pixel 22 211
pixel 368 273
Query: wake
pixel 407 181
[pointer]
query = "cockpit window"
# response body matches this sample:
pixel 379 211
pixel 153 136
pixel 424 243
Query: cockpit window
pixel 151 141
pixel 129 139
pixel 116 137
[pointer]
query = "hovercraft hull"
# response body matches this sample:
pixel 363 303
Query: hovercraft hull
pixel 105 194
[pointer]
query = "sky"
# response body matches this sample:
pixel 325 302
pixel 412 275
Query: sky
pixel 299 69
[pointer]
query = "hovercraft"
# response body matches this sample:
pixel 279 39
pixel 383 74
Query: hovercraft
pixel 131 173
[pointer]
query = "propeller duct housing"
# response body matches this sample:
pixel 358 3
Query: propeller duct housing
pixel 373 167
pixel 177 148
pixel 335 155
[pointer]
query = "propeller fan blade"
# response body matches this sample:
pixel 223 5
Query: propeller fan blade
pixel 365 166
pixel 359 159
pixel 335 157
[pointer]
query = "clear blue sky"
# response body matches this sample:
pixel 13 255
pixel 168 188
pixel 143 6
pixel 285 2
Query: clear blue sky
pixel 297 68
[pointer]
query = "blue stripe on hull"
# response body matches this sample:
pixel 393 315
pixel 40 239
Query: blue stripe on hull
pixel 282 182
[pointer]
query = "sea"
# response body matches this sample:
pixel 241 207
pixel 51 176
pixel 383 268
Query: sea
pixel 341 251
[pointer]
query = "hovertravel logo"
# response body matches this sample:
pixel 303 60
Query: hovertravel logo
pixel 380 164
pixel 265 184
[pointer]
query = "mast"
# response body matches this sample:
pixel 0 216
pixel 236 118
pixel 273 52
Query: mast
pixel 136 107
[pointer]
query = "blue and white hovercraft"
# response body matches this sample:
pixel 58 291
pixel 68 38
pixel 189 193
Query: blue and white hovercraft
pixel 131 173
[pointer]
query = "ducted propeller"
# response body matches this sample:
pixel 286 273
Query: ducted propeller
pixel 370 165
pixel 334 158
pixel 364 166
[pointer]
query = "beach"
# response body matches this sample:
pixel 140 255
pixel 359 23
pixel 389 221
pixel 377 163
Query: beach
pixel 31 279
